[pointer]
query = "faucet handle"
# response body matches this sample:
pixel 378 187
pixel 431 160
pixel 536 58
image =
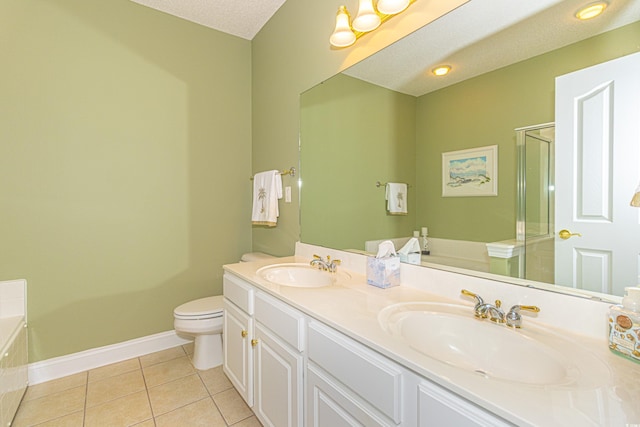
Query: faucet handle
pixel 532 308
pixel 513 317
pixel 317 257
pixel 478 298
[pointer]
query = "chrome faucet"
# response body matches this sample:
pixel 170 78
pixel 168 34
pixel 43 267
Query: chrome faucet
pixel 483 310
pixel 329 265
pixel 495 313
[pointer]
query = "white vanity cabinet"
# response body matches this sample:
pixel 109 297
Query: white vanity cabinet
pixel 294 370
pixel 237 334
pixel 348 384
pixel 264 353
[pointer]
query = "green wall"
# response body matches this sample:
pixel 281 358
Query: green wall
pixel 290 55
pixel 125 156
pixel 485 111
pixel 126 151
pixel 355 134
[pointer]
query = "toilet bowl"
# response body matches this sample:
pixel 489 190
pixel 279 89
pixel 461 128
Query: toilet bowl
pixel 202 319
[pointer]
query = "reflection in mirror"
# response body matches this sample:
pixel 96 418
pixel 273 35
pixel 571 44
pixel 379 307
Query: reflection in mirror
pixel 355 133
pixel 535 229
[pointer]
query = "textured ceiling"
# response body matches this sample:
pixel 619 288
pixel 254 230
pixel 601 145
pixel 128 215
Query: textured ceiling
pixel 477 37
pixel 484 35
pixel 242 18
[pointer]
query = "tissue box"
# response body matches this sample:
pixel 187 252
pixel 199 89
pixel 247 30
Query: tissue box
pixel 412 258
pixel 383 272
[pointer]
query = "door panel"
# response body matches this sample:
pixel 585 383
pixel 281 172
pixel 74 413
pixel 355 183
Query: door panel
pixel 597 170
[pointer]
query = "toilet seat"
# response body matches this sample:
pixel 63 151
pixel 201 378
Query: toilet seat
pixel 200 309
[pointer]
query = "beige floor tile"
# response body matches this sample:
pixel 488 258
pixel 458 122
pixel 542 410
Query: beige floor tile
pixel 167 371
pixel 50 387
pixel 114 369
pixel 215 380
pixel 169 396
pixel 50 407
pixel 72 420
pixel 188 348
pixel 148 423
pixel 162 356
pixel 232 406
pixel 201 413
pixel 125 411
pixel 99 392
pixel 249 422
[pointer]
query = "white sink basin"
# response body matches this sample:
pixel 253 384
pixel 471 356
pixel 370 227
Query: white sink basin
pixel 300 275
pixel 451 334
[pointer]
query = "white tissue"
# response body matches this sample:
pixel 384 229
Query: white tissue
pixel 410 252
pixel 386 249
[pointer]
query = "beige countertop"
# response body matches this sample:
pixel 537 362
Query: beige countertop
pixel 606 390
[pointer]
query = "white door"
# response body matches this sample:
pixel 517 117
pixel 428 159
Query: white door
pixel 597 169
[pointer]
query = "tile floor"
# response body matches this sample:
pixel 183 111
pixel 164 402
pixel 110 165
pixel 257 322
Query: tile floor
pixel 159 389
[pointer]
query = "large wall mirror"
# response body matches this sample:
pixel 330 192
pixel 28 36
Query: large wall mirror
pixel 387 119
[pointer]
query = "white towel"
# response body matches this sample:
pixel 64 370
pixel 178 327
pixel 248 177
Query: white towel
pixel 396 195
pixel 267 189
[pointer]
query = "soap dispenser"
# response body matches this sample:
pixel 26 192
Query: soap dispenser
pixel 624 325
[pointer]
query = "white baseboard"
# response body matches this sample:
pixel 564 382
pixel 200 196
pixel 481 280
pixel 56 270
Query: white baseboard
pixel 58 367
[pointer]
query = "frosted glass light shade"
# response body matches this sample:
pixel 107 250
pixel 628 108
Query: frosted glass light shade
pixel 342 36
pixel 391 7
pixel 367 19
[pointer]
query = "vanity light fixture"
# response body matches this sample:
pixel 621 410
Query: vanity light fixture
pixel 369 18
pixel 591 10
pixel 391 7
pixel 441 70
pixel 343 35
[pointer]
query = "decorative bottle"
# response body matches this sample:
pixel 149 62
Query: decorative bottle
pixel 425 242
pixel 624 325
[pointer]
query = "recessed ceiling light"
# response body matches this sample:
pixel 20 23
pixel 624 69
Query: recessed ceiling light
pixel 591 10
pixel 441 70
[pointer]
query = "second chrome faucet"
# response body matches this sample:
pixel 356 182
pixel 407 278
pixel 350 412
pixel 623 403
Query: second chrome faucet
pixel 494 313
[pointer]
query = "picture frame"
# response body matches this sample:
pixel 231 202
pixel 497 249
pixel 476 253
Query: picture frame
pixel 470 173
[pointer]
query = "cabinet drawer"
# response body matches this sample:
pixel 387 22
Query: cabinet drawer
pixel 281 319
pixel 239 292
pixel 438 406
pixel 362 370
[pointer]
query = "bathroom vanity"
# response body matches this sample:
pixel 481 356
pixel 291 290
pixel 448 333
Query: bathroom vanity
pixel 336 353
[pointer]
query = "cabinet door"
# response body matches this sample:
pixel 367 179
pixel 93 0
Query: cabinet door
pixel 278 381
pixel 330 404
pixel 238 353
pixel 440 407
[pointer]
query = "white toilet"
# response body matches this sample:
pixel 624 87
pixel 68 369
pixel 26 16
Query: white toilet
pixel 202 318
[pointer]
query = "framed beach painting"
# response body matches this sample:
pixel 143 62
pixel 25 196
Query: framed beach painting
pixel 472 172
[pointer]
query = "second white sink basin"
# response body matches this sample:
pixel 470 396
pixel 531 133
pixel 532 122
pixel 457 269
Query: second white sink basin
pixel 300 275
pixel 451 334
